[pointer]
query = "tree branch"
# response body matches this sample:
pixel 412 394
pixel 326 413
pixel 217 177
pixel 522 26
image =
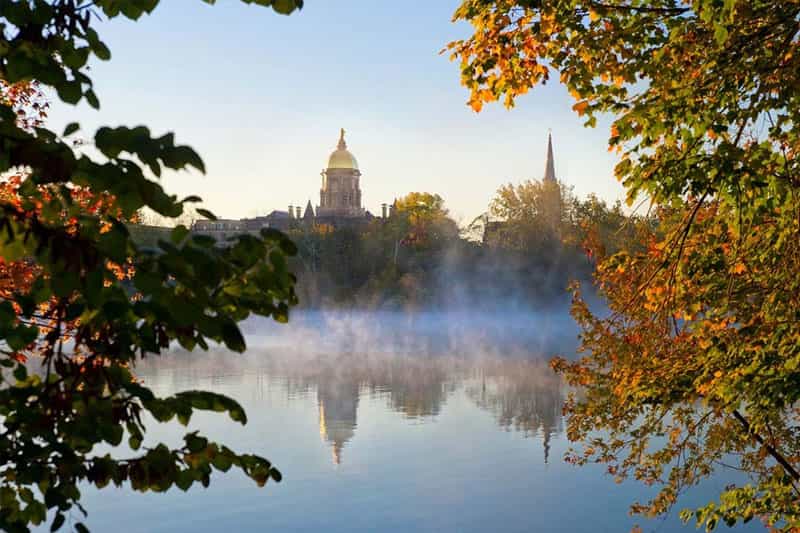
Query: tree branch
pixel 770 449
pixel 641 9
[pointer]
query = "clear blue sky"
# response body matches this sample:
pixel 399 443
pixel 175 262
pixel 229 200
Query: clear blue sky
pixel 262 98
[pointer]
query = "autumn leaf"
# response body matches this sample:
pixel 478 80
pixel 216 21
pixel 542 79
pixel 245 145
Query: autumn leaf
pixel 697 73
pixel 581 107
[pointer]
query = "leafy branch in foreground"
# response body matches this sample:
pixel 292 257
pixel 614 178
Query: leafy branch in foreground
pixel 697 363
pixel 79 302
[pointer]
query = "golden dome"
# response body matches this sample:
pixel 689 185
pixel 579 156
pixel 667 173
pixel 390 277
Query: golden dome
pixel 341 157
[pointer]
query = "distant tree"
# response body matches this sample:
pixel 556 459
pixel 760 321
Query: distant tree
pixel 602 231
pixel 80 302
pixel 148 217
pixel 534 215
pixel 428 222
pixel 421 205
pixel 698 363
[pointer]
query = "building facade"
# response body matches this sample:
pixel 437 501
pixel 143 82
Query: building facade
pixel 339 203
pixel 340 195
pixel 551 205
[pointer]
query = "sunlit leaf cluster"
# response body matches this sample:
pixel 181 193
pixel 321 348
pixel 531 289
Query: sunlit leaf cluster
pixel 695 365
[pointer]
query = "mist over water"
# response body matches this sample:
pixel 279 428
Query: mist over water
pixel 386 421
pixel 461 334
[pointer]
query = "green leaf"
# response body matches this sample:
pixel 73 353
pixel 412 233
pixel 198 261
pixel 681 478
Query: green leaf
pixel 222 462
pixel 20 373
pixel 209 401
pixel 134 442
pixel 58 521
pixel 101 50
pixel 285 7
pixel 721 34
pixel 195 443
pixel 91 99
pixel 70 92
pixel 71 128
pixel 206 213
pixel 179 234
pixel 232 337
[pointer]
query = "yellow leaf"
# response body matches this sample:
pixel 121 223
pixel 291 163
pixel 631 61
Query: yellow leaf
pixel 674 435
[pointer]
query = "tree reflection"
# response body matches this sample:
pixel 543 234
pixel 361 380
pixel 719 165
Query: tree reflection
pixel 523 395
pixel 416 387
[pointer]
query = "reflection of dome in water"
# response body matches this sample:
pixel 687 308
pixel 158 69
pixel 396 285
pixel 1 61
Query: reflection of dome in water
pixel 338 403
pixel 341 157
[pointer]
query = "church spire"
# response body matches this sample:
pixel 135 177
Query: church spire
pixel 549 169
pixel 342 145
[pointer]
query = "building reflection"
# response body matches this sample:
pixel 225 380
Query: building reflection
pixel 337 400
pixel 414 387
pixel 523 395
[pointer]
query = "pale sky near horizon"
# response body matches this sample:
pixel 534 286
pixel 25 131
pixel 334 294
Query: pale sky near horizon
pixel 261 97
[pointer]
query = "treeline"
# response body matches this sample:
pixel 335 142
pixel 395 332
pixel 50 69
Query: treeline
pixel 535 238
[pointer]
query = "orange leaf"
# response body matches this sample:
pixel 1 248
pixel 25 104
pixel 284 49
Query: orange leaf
pixel 581 106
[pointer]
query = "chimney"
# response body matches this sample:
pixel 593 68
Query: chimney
pixel 291 211
pixel 384 208
pixel 298 212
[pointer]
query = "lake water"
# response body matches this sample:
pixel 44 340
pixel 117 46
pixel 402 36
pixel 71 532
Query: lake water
pixel 387 422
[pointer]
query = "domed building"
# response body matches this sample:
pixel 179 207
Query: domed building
pixel 339 204
pixel 340 195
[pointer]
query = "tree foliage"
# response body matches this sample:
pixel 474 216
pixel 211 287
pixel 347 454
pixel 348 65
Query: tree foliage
pixel 80 302
pixel 419 258
pixel 544 218
pixel 425 219
pixel 534 214
pixel 386 261
pixel 696 365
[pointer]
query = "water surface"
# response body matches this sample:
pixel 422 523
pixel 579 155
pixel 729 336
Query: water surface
pixel 387 422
